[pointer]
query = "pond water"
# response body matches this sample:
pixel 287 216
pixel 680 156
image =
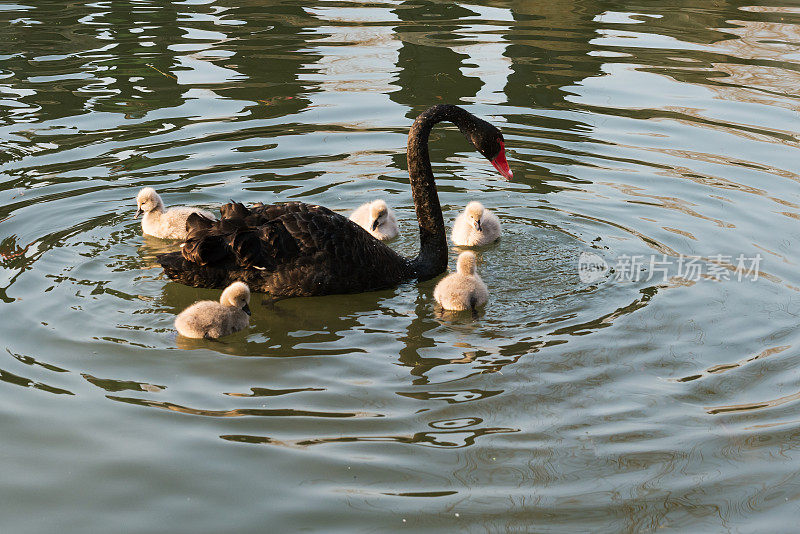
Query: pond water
pixel 657 139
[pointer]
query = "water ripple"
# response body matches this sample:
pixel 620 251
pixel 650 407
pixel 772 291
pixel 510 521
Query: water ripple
pixel 645 399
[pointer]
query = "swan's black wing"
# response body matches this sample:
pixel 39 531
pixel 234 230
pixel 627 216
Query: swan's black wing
pixel 290 249
pixel 196 222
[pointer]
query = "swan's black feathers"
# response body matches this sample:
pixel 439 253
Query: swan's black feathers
pixel 246 246
pixel 289 249
pixel 234 210
pixel 205 248
pixel 196 222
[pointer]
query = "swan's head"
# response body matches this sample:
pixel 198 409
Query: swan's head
pixel 488 140
pixel 474 211
pixel 236 295
pixel 466 263
pixel 378 212
pixel 147 200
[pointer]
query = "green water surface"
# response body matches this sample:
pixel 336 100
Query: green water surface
pixel 645 134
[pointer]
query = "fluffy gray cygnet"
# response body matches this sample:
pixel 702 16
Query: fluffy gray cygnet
pixel 475 226
pixel 160 222
pixel 376 218
pixel 209 319
pixel 463 289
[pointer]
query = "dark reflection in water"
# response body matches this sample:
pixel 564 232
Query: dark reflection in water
pixel 273 71
pixel 631 402
pixel 427 71
pixel 239 412
pixel 17 380
pixel 451 439
pixel 264 392
pixel 122 385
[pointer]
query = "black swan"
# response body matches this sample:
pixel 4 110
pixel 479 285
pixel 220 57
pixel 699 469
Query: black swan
pixel 296 249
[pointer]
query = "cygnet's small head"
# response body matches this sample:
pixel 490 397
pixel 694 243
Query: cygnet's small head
pixel 147 200
pixel 378 212
pixel 466 263
pixel 236 295
pixel 474 213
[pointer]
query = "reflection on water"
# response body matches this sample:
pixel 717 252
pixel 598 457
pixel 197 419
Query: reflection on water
pixel 628 403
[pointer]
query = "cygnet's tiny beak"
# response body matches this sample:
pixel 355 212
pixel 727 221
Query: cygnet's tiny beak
pixel 138 212
pixel 477 224
pixel 246 309
pixel 374 225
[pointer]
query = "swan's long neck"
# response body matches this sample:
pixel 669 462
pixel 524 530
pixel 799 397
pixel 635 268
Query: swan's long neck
pixel 432 258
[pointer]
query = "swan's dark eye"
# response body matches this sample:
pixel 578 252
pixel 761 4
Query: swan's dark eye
pixel 493 147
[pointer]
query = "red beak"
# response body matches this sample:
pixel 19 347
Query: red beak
pixel 501 164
